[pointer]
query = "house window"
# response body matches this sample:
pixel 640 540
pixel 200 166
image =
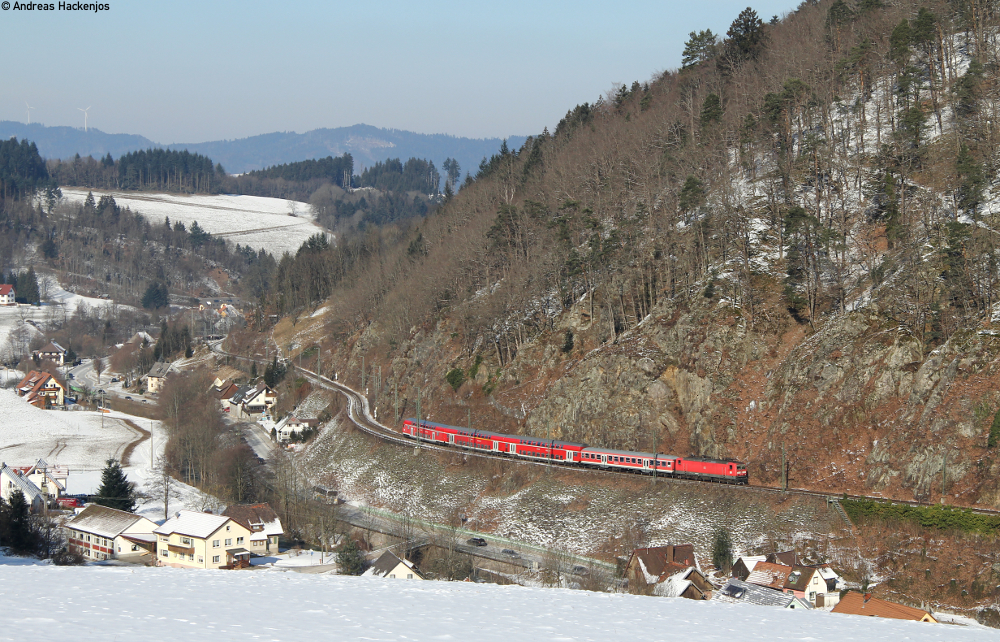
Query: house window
pixel 239 540
pixel 215 559
pixel 229 541
pixel 812 597
pixel 409 576
pixel 392 575
pixel 163 552
pixel 135 547
pixel 215 543
pixel 201 560
pixel 186 541
pixel 227 527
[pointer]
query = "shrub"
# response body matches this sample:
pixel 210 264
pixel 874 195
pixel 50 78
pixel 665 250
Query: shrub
pixel 455 378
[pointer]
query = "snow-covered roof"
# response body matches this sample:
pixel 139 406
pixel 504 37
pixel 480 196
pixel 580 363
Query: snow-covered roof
pixel 9 478
pixel 193 524
pixel 750 561
pixel 736 591
pixel 103 521
pixel 160 369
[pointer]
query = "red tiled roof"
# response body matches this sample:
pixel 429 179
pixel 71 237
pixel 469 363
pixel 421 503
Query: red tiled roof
pixel 855 604
pixel 6 289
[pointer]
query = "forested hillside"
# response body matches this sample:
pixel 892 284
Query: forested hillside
pixel 786 246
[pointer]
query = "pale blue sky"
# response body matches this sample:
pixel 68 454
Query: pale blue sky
pixel 188 71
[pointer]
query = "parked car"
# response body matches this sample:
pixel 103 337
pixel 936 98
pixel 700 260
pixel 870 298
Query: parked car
pixel 511 553
pixel 127 398
pixel 69 375
pixel 476 541
pixel 115 379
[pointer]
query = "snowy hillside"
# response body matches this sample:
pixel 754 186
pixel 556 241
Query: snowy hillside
pixel 116 603
pixel 274 224
pixel 69 438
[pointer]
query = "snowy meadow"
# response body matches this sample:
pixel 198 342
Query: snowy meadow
pixel 137 604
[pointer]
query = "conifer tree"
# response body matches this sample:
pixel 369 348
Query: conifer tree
pixel 116 490
pixel 350 560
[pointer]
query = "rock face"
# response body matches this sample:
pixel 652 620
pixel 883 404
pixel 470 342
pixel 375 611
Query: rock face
pixel 856 405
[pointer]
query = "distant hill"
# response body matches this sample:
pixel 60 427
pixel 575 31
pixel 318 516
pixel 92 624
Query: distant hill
pixel 366 144
pixel 65 142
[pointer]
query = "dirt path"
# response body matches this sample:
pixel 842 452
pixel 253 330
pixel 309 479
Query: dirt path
pixel 129 449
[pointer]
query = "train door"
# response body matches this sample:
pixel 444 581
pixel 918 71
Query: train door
pixel 645 464
pixel 496 447
pixel 569 455
pixel 513 449
pixel 451 439
pixel 604 460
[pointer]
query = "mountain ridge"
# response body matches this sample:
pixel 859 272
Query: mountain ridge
pixel 364 142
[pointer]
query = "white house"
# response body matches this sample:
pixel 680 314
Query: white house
pixel 51 351
pixel 102 533
pixel 51 480
pixel 392 567
pixel 156 376
pixel 292 425
pixel 12 481
pixel 202 540
pixel 252 401
pixel 7 294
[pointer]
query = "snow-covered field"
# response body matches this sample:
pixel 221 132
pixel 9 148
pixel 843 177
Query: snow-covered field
pixel 156 604
pixel 274 224
pixel 70 438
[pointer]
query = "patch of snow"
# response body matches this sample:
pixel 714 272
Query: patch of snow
pixel 277 225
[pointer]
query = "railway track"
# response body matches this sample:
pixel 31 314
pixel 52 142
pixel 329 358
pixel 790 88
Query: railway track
pixel 360 415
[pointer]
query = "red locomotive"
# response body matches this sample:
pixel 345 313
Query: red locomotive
pixel 566 452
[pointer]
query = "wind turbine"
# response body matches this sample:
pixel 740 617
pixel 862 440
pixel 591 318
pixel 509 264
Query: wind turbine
pixel 29 111
pixel 84 117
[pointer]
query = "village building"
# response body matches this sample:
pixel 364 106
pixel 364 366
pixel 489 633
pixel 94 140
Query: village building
pixel 252 401
pixel 7 294
pixel 156 376
pixel 262 522
pixel 41 389
pixel 202 540
pixel 102 533
pixel 736 591
pixel 389 566
pixel 51 351
pixel 223 390
pixel 292 425
pixel 51 480
pixel 805 582
pixel 689 583
pixel 12 481
pixel 745 564
pixel 647 567
pixel 858 604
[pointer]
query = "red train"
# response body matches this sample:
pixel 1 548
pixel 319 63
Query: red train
pixel 568 452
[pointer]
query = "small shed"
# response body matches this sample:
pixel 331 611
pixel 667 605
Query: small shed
pixel 390 566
